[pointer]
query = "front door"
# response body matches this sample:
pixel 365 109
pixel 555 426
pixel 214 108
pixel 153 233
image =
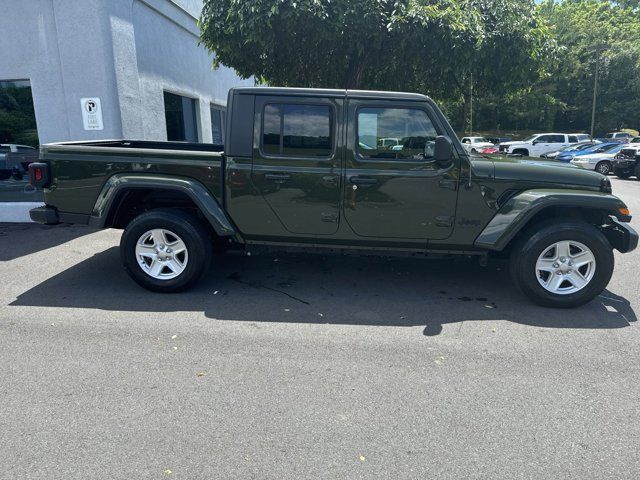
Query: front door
pixel 296 161
pixel 397 189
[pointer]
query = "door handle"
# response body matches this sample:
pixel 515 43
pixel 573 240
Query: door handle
pixel 277 177
pixel 362 181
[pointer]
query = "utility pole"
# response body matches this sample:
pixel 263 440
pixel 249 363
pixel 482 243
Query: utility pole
pixel 598 51
pixel 471 106
pixel 595 94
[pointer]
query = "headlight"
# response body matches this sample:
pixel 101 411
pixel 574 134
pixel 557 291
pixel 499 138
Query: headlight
pixel 605 185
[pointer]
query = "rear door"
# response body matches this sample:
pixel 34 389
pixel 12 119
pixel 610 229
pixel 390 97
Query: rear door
pixel 296 161
pixel 541 145
pixel 397 192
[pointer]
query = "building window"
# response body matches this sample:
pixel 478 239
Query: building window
pixel 180 116
pixel 17 115
pixel 297 130
pixel 217 124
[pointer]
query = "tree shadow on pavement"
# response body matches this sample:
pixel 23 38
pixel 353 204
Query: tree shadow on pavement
pixel 20 239
pixel 318 289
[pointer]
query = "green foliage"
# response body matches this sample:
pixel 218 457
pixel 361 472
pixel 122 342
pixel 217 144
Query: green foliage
pixel 428 45
pixel 529 66
pixel 17 116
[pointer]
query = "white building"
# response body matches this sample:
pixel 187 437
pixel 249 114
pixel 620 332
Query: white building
pixel 140 58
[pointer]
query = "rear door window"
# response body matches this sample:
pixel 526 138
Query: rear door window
pixel 297 130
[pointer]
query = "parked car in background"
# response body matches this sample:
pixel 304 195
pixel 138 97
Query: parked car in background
pixel 600 162
pixel 475 144
pixel 490 150
pixel 598 148
pixel 499 140
pixel 627 162
pixel 541 143
pixel 619 136
pixel 570 148
pixel 15 159
pixel 14 148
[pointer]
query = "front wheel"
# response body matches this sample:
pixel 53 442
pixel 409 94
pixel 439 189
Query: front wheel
pixel 562 265
pixel 165 250
pixel 621 174
pixel 603 167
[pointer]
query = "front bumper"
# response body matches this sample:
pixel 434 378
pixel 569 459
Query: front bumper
pixel 584 165
pixel 621 236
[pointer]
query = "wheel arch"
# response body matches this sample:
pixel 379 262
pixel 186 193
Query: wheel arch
pixel 123 191
pixel 530 208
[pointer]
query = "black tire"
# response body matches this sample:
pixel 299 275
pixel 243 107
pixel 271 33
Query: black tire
pixel 604 167
pixel 622 175
pixel 637 171
pixel 188 228
pixel 521 151
pixel 534 242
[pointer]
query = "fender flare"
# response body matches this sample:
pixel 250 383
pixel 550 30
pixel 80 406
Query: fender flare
pixel 514 215
pixel 116 184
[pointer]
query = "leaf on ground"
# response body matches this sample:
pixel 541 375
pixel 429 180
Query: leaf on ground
pixel 168 472
pixel 174 337
pixel 201 374
pixel 362 459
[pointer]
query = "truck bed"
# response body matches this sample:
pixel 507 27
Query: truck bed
pixel 81 169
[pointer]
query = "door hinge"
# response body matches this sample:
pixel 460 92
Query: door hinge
pixel 329 217
pixel 444 221
pixel 448 184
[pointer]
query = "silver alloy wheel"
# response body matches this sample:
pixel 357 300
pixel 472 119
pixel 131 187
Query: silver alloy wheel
pixel 603 167
pixel 161 254
pixel 565 267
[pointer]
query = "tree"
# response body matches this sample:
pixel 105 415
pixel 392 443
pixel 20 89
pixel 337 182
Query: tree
pixel 596 34
pixel 432 46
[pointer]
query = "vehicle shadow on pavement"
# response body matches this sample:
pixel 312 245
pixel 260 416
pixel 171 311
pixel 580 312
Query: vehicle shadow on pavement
pixel 20 239
pixel 345 290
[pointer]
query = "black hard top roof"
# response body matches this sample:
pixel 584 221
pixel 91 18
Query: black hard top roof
pixel 328 92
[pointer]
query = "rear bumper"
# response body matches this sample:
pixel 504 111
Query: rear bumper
pixel 49 215
pixel 621 236
pixel 45 215
pixel 624 166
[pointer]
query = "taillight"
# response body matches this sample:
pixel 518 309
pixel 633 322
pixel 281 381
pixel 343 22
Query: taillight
pixel 39 175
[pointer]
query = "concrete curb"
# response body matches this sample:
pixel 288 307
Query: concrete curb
pixel 17 212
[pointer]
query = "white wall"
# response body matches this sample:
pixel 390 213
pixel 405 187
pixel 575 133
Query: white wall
pixel 64 51
pixel 163 65
pixel 124 51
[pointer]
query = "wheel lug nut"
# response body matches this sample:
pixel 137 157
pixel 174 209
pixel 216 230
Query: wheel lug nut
pixel 558 272
pixel 555 265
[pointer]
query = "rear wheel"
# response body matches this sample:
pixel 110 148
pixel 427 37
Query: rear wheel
pixel 622 174
pixel 562 264
pixel 165 250
pixel 604 167
pixel 637 171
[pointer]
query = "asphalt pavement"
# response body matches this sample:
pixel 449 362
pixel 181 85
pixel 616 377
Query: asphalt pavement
pixel 301 366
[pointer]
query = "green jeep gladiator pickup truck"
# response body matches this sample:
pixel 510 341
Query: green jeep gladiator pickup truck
pixel 316 170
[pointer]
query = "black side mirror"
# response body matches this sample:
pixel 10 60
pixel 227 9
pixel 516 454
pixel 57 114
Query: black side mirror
pixel 443 151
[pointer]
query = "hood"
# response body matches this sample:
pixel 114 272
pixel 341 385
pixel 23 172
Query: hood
pixel 537 172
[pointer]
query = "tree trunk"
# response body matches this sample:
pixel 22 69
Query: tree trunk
pixel 357 68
